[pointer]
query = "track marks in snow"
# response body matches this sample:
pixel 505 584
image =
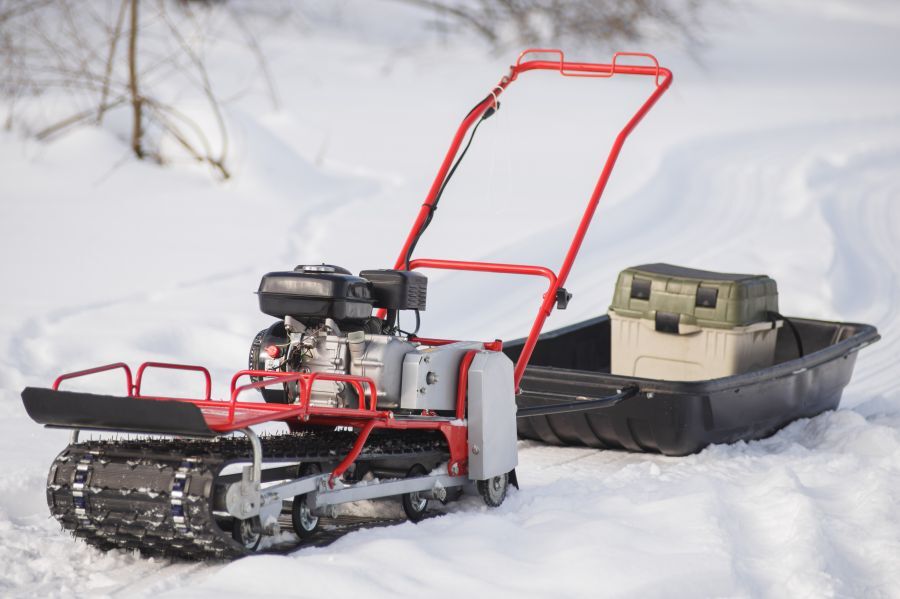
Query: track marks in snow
pixel 28 353
pixel 736 202
pixel 41 562
pixel 806 513
pixel 859 195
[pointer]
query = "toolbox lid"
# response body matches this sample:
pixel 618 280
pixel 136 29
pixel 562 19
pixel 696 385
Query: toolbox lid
pixel 707 299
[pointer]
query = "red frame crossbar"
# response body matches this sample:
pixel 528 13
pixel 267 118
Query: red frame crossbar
pixel 224 416
pixel 662 79
pixel 229 415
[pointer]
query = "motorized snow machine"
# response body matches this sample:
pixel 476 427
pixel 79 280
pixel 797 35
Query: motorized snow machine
pixel 376 412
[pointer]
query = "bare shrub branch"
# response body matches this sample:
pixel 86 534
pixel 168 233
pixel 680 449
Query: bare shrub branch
pixel 117 55
pixel 504 23
pixel 136 103
pixel 114 41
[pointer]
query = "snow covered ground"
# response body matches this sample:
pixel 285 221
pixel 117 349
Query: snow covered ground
pixel 779 153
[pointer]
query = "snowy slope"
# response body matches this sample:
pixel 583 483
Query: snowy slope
pixel 781 151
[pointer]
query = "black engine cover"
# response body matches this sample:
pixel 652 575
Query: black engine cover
pixel 397 289
pixel 315 292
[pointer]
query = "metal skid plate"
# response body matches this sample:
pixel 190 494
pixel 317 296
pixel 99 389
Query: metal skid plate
pixel 492 416
pixel 432 485
pixel 430 376
pixel 319 493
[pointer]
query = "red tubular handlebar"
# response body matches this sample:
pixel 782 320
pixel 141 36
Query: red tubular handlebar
pixel 357 448
pixel 357 383
pixel 305 380
pixel 80 373
pixel 271 378
pixel 662 78
pixel 442 172
pixel 166 366
pixel 463 383
pixel 589 69
pixel 510 269
pixel 514 269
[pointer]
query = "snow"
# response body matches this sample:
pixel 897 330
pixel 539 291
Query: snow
pixel 777 153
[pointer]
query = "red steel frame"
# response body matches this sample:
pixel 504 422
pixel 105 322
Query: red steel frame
pixel 662 78
pixel 223 416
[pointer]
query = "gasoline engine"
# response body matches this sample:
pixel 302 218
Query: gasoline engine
pixel 326 326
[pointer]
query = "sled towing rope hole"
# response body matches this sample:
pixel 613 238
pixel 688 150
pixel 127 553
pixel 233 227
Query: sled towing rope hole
pixel 373 412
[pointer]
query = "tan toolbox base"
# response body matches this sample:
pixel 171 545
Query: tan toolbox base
pixel 705 353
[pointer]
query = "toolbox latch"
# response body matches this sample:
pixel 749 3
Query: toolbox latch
pixel 640 289
pixel 667 322
pixel 562 298
pixel 707 297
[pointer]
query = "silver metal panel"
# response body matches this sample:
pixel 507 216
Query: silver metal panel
pixel 329 354
pixel 298 486
pixel 315 487
pixel 430 376
pixel 361 491
pixel 492 416
pixel 243 499
pixel 380 358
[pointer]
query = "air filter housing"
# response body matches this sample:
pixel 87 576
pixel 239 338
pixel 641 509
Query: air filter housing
pixel 397 289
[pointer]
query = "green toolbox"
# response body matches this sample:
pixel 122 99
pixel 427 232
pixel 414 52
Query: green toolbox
pixel 676 323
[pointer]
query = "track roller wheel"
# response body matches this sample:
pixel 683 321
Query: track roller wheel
pixel 247 533
pixel 493 490
pixel 453 494
pixel 304 521
pixel 414 504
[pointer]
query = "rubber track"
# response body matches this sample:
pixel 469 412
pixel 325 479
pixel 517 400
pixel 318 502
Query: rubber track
pixel 119 494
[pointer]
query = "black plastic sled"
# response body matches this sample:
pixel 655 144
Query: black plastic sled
pixel 569 397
